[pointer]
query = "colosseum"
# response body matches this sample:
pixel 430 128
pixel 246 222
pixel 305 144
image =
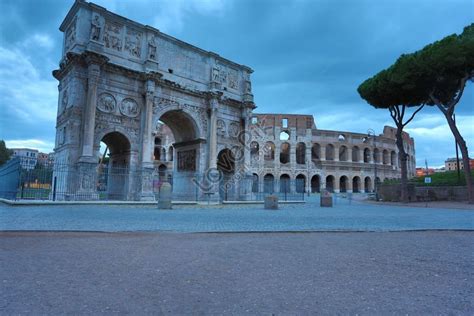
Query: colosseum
pixel 339 161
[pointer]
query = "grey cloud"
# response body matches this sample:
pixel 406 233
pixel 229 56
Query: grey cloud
pixel 307 55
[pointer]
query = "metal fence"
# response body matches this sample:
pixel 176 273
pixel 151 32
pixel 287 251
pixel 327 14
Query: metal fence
pixel 67 182
pixel 9 179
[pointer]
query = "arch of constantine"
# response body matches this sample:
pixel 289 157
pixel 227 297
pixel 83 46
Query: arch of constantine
pixel 163 107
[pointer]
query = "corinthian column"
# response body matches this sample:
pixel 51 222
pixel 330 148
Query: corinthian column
pixel 245 137
pixel 94 63
pixel 214 104
pixel 147 130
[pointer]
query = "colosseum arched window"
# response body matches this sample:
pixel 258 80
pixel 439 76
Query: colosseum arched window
pixel 329 152
pixel 393 158
pixel 385 157
pixel 356 184
pixel 343 184
pixel 157 153
pixel 300 183
pixel 330 183
pixel 367 155
pixel 355 154
pixel 285 153
pixel 269 154
pixel 315 184
pixel 254 147
pixel 163 154
pixel 315 152
pixel 284 135
pixel 285 183
pixel 255 183
pixel 376 155
pixel 343 153
pixel 268 183
pixel 367 184
pixel 300 153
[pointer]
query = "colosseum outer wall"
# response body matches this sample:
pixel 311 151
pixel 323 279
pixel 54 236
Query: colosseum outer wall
pixel 291 147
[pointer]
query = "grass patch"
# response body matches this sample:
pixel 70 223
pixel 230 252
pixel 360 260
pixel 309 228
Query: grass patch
pixel 448 178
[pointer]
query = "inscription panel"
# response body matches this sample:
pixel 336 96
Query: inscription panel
pixel 187 160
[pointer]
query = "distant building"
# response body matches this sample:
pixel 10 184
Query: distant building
pixel 28 157
pixel 420 172
pixel 45 160
pixel 451 164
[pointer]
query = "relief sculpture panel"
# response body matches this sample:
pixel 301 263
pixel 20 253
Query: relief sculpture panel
pixel 133 43
pixel 113 36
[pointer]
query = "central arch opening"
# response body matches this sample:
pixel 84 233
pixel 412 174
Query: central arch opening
pixel 182 125
pixel 177 153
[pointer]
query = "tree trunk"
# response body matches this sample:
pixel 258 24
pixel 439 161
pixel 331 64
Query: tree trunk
pixel 402 155
pixel 465 156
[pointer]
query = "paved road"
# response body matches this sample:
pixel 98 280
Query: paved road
pixel 272 273
pixel 299 217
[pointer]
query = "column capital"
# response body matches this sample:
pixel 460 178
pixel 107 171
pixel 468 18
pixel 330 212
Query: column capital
pixel 150 87
pixel 214 103
pixel 214 95
pixel 93 74
pixel 94 58
pixel 152 76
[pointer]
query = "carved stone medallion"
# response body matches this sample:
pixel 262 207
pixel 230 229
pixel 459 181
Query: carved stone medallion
pixel 129 107
pixel 106 103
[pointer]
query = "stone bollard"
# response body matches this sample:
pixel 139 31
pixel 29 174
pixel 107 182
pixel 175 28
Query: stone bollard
pixel 326 199
pixel 164 199
pixel 271 202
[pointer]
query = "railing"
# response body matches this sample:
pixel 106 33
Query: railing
pixel 69 182
pixel 9 178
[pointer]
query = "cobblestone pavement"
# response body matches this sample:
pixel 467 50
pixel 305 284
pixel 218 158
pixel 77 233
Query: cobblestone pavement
pixel 345 215
pixel 390 273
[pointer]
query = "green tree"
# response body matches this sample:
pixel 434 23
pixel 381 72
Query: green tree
pixel 446 67
pixel 386 90
pixel 5 153
pixel 435 76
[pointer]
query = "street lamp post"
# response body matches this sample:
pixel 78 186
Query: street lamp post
pixel 371 133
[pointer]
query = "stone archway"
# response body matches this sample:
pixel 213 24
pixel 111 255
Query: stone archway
pixel 285 184
pixel 188 147
pixel 315 184
pixel 226 167
pixel 300 183
pixel 356 184
pixel 268 183
pixel 187 152
pixel 343 184
pixel 367 184
pixel 330 183
pixel 114 170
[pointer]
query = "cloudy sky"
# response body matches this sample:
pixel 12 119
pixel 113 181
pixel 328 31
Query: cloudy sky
pixel 309 58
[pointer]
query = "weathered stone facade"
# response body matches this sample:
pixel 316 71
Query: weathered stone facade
pixel 119 81
pixel 286 147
